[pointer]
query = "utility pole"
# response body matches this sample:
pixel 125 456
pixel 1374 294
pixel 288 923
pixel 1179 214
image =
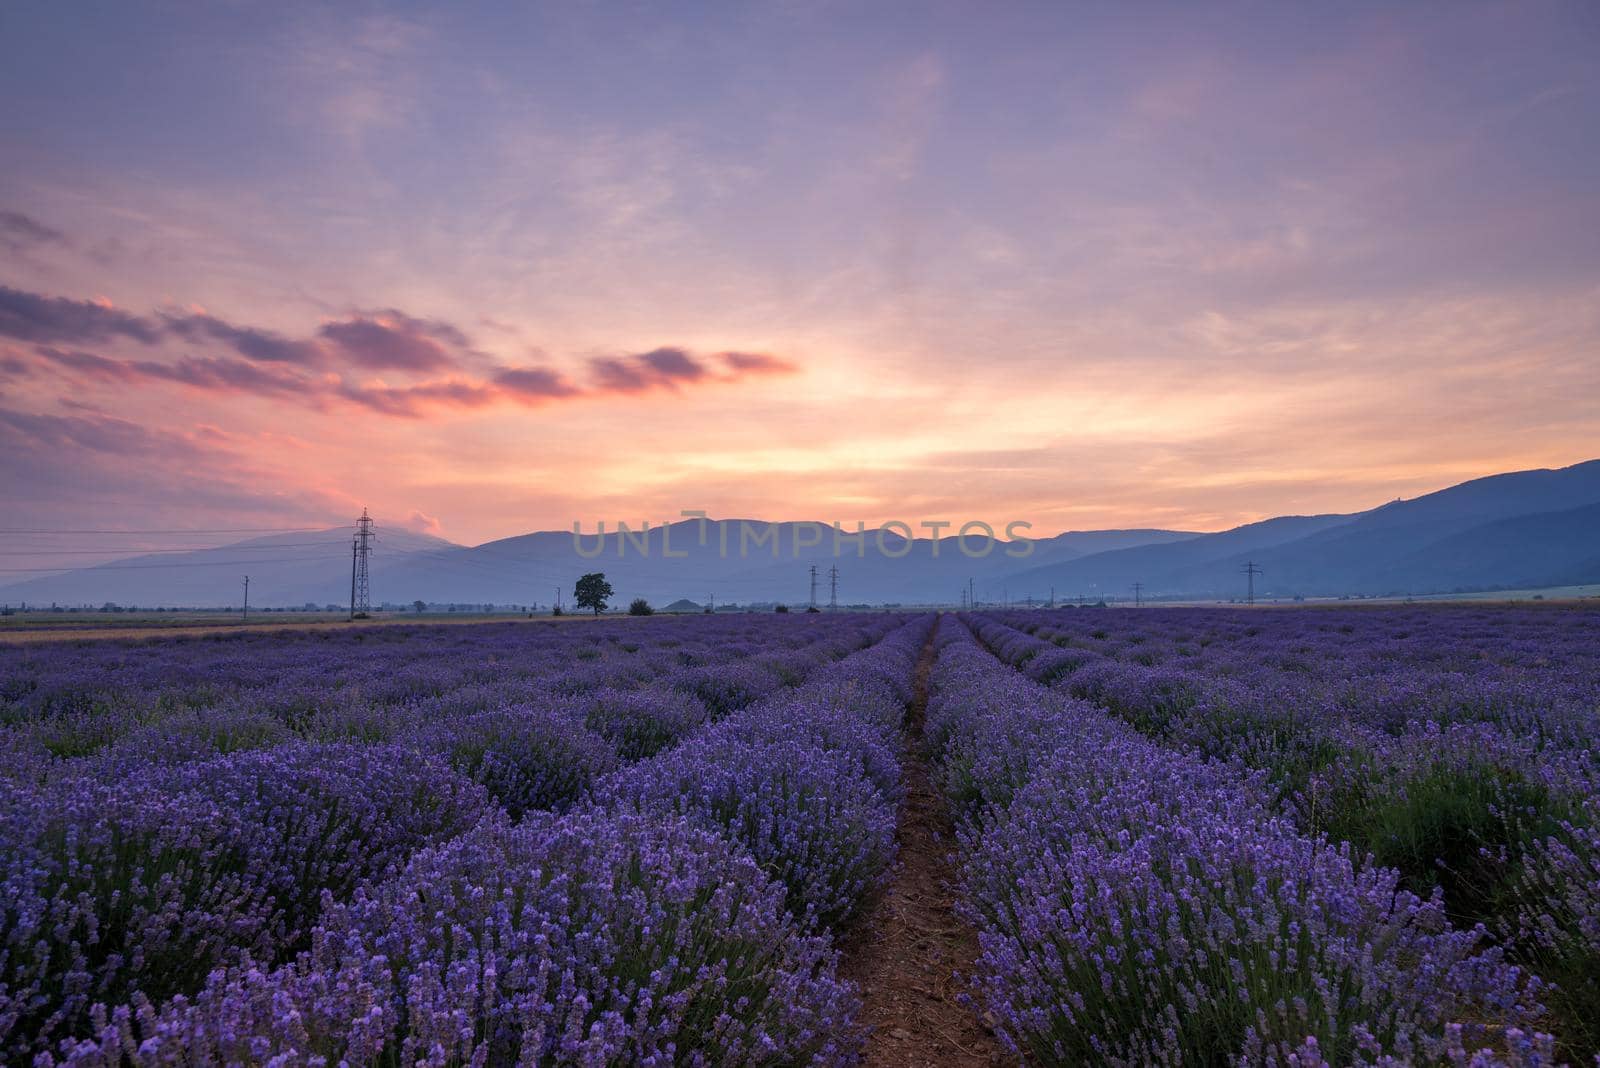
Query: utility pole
pixel 1251 570
pixel 711 602
pixel 813 587
pixel 556 604
pixel 1138 589
pixel 833 588
pixel 1052 596
pixel 360 587
pixel 246 618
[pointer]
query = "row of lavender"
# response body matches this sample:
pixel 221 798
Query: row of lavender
pixel 281 875
pixel 185 695
pixel 1140 904
pixel 1453 745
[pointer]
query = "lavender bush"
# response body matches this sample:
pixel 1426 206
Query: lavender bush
pixel 1138 905
pixel 527 757
pixel 589 940
pixel 147 883
pixel 641 723
pixel 808 816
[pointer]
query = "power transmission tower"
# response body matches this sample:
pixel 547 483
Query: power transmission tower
pixel 246 618
pixel 813 587
pixel 1052 596
pixel 1251 570
pixel 972 597
pixel 711 602
pixel 1138 590
pixel 361 548
pixel 833 588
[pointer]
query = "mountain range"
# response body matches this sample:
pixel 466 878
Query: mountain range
pixel 1520 529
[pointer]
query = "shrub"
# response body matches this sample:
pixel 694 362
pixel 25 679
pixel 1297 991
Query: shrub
pixel 640 607
pixel 1556 925
pixel 724 688
pixel 528 757
pixel 148 883
pixel 592 940
pixel 641 723
pixel 809 817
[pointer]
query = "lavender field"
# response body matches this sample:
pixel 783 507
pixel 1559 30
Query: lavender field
pixel 608 843
pixel 1296 837
pixel 1286 837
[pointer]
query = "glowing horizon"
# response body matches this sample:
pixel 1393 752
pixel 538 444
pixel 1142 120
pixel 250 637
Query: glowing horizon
pixel 498 271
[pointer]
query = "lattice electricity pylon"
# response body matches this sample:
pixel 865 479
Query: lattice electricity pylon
pixel 360 588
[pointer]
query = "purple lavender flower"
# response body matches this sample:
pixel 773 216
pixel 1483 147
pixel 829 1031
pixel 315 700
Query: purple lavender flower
pixel 588 940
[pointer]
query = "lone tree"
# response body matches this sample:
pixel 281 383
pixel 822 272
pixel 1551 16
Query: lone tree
pixel 420 606
pixel 640 607
pixel 592 591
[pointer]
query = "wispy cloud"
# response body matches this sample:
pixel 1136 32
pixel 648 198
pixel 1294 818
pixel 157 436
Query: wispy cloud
pixel 255 344
pixel 664 368
pixel 326 369
pixel 31 317
pixel 394 341
pixel 20 232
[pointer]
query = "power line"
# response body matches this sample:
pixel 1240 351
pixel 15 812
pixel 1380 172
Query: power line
pixel 160 552
pixel 189 530
pixel 151 567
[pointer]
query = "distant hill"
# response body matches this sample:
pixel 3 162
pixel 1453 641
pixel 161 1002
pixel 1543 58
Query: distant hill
pixel 1526 528
pixel 1171 568
pixel 284 569
pixel 1490 533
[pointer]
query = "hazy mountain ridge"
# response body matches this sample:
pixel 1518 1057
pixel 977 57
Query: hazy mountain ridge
pixel 1516 529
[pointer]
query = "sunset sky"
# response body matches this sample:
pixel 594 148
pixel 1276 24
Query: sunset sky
pixel 492 269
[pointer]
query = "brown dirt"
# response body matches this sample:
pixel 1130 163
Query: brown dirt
pixel 906 951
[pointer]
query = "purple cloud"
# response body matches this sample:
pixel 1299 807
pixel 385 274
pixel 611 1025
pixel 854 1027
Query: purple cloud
pixel 411 402
pixel 534 383
pixel 19 232
pixel 665 367
pixel 95 433
pixel 756 363
pixel 395 342
pixel 211 373
pixel 264 345
pixel 12 366
pixel 276 365
pixel 31 317
pixel 225 375
pixel 88 363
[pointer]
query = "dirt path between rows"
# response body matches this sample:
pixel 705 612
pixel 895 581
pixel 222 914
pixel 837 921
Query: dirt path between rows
pixel 907 950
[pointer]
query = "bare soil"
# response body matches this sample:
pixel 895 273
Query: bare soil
pixel 907 951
